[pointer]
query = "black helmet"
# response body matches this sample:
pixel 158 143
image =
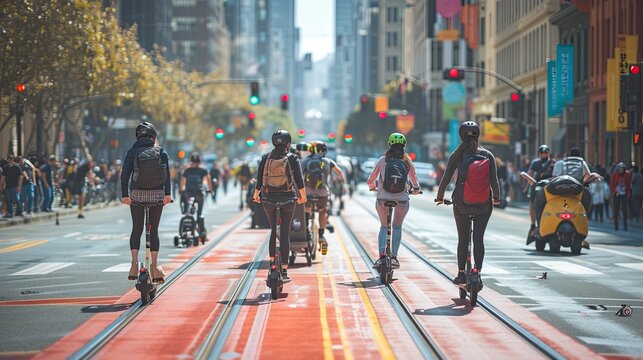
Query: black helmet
pixel 319 147
pixel 281 137
pixel 543 148
pixel 303 146
pixel 145 129
pixel 469 128
pixel 195 158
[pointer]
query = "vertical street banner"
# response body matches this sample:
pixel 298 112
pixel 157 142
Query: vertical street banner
pixel 553 99
pixel 405 123
pixel 469 17
pixel 454 135
pixel 625 54
pixel 565 72
pixel 613 89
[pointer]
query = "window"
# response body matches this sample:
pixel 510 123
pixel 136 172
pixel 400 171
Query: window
pixel 392 15
pixel 180 3
pixel 184 24
pixel 392 39
pixel 395 64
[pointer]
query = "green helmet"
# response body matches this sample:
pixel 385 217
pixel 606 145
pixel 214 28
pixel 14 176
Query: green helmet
pixel 396 138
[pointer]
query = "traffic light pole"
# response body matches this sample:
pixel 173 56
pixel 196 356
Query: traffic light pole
pixel 494 74
pixel 225 81
pixel 19 124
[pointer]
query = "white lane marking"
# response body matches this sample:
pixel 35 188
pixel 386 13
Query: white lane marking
pixel 559 298
pixel 635 266
pixel 65 285
pixel 631 256
pixel 493 270
pixel 43 268
pixel 120 221
pixel 99 255
pixel 124 267
pixel 614 343
pixel 568 268
pixel 72 234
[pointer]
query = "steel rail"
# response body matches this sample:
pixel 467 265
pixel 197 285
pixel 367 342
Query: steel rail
pixel 426 345
pixel 99 341
pixel 525 334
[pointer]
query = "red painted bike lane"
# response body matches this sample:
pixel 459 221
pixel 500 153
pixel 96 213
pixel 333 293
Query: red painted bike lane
pixel 458 329
pixel 66 346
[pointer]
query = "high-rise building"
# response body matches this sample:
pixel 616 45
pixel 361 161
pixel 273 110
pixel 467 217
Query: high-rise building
pixel 342 76
pixel 391 40
pixel 283 39
pixel 200 38
pixel 366 46
pixel 153 19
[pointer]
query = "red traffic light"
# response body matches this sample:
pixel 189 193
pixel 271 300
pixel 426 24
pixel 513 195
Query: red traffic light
pixel 382 115
pixel 20 87
pixel 636 138
pixel 348 138
pixel 363 99
pixel 454 73
pixel 301 133
pixel 331 136
pixel 181 154
pixel 515 97
pixel 284 97
pixel 634 69
pixel 219 133
pixel 413 156
pixel 252 116
pixel 263 142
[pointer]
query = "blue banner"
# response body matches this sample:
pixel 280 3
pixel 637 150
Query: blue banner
pixel 454 135
pixel 565 72
pixel 553 97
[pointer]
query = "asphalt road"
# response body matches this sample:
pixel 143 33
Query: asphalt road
pixel 582 293
pixel 78 258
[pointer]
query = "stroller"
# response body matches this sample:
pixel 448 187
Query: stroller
pixel 191 230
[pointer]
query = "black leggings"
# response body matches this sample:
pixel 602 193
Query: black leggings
pixel 138 225
pixel 462 222
pixel 287 212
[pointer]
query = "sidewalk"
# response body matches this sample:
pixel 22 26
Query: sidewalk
pixel 42 216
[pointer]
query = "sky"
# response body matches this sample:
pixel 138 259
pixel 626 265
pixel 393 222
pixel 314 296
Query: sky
pixel 316 19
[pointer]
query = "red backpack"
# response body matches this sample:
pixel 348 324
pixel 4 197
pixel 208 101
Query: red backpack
pixel 474 174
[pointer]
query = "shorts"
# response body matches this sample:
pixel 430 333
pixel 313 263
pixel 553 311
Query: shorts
pixel 77 189
pixel 321 203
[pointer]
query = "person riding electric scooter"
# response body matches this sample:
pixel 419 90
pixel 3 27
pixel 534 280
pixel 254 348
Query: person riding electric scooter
pixel 194 180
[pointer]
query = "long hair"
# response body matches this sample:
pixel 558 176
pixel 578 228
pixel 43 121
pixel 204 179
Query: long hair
pixel 397 151
pixel 469 146
pixel 280 150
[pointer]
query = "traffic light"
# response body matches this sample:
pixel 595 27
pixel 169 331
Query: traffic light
pixel 20 87
pixel 250 141
pixel 363 100
pixel 254 93
pixel 219 134
pixel 284 101
pixel 382 115
pixel 412 156
pixel 301 133
pixel 515 97
pixel 264 142
pixel 633 96
pixel 453 74
pixel 114 143
pixel 516 105
pixel 181 154
pixel 636 138
pixel 348 138
pixel 331 137
pixel 251 119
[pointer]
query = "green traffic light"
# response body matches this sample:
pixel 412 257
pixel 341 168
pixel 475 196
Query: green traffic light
pixel 254 100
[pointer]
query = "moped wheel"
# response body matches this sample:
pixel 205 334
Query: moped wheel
pixel 176 241
pixel 540 244
pixel 554 245
pixel 576 247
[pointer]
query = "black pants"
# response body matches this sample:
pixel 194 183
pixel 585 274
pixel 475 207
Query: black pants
pixel 198 198
pixel 287 212
pixel 597 212
pixel 621 202
pixel 138 225
pixel 463 224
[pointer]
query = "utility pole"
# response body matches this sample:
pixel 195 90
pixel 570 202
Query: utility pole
pixel 20 87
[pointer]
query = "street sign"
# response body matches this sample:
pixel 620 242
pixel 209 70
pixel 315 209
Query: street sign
pixel 448 35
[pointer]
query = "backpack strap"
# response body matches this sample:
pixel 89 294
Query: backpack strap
pixel 264 179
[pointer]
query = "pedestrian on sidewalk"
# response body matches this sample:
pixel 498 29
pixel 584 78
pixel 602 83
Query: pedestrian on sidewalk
pixel 13 176
pixel 83 171
pixel 600 191
pixel 28 185
pixel 637 193
pixel 621 186
pixel 47 172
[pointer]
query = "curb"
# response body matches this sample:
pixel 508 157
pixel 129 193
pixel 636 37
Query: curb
pixel 52 215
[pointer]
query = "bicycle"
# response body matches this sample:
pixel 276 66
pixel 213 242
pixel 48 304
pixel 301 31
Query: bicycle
pixel 472 275
pixel 144 282
pixel 385 268
pixel 314 225
pixel 275 279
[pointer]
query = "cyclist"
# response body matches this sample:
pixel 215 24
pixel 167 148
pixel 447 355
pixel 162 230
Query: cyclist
pixel 395 153
pixel 192 184
pixel 462 160
pixel 84 170
pixel 275 176
pixel 215 174
pixel 303 149
pixel 145 139
pixel 540 168
pixel 316 169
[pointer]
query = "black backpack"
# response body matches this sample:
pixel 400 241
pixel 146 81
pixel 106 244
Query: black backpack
pixel 314 173
pixel 395 176
pixel 149 171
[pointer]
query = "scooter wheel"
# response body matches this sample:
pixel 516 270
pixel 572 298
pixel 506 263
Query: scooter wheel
pixel 554 246
pixel 176 241
pixel 463 293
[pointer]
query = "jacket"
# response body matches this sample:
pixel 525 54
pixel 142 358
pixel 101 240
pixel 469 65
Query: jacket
pixel 128 166
pixel 617 178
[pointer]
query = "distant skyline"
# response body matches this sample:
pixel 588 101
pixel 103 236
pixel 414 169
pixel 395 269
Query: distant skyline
pixel 316 19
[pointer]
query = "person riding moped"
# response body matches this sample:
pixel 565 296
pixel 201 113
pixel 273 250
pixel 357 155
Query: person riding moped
pixel 194 181
pixel 540 168
pixel 316 169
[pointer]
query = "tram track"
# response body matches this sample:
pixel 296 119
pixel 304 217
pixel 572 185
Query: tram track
pixel 106 335
pixel 503 318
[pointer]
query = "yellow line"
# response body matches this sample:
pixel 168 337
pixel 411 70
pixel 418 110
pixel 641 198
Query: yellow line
pixel 22 246
pixel 323 316
pixel 382 343
pixel 340 320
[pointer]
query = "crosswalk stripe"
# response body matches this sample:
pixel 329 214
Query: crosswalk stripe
pixel 567 268
pixel 635 266
pixel 124 267
pixel 494 270
pixel 43 268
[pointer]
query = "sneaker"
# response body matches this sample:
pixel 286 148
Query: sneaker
pixel 284 276
pixel 323 245
pixel 461 279
pixel 81 216
pixel 531 235
pixel 330 228
pixel 395 263
pixel 378 262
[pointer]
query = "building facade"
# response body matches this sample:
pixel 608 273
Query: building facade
pixel 153 19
